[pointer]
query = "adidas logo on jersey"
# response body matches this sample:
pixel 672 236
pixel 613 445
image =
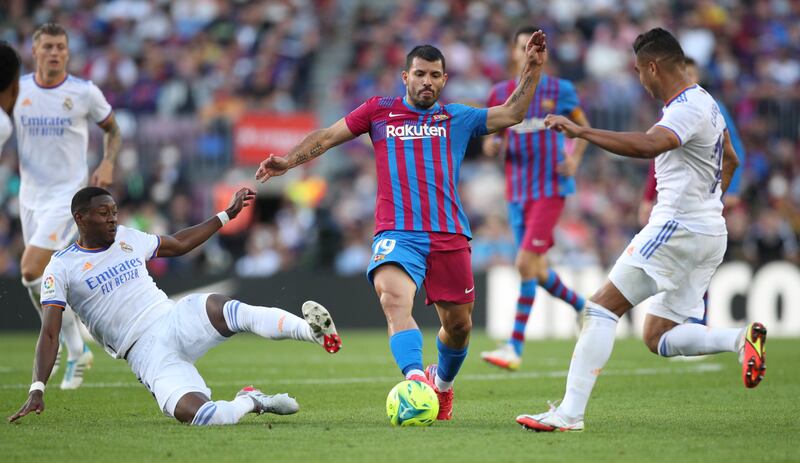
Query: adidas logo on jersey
pixel 26 102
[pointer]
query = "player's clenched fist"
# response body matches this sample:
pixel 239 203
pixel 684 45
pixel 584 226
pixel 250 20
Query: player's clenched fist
pixel 562 124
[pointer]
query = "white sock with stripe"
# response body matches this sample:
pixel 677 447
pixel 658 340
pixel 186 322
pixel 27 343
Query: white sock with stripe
pixel 223 412
pixel 591 354
pixel 692 339
pixel 267 322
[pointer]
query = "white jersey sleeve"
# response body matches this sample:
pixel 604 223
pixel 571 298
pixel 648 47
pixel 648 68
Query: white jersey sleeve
pixel 682 120
pixel 5 128
pixel 149 242
pixel 99 109
pixel 55 285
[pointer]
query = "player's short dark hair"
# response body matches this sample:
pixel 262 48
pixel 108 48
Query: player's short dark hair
pixel 82 199
pixel 54 29
pixel 526 30
pixel 426 52
pixel 10 65
pixel 659 44
pixel 689 61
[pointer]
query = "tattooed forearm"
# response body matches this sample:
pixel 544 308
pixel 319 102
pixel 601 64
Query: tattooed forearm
pixel 303 153
pixel 520 91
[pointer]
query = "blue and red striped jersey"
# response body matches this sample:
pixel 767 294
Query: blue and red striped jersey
pixel 534 152
pixel 418 156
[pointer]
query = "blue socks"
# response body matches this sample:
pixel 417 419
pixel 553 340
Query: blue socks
pixel 527 294
pixel 450 361
pixel 406 348
pixel 556 287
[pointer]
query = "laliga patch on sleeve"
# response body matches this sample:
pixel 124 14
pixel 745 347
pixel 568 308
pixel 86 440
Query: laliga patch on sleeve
pixel 48 286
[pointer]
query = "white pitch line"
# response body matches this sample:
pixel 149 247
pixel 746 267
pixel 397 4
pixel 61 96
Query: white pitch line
pixel 693 369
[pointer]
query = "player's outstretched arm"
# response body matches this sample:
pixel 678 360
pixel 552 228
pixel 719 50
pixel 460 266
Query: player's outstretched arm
pixel 730 162
pixel 315 143
pixel 513 111
pixel 103 176
pixel 642 145
pixel 46 353
pixel 185 240
pixel 573 160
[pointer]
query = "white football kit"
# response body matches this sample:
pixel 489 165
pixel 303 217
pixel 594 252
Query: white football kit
pixel 685 238
pixel 112 292
pixel 52 138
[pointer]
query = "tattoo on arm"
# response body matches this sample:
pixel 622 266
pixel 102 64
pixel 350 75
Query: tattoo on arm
pixel 315 151
pixel 520 91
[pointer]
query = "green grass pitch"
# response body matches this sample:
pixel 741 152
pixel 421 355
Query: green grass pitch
pixel 644 408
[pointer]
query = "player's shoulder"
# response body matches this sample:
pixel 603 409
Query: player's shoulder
pixel 65 254
pixel 26 81
pixel 458 108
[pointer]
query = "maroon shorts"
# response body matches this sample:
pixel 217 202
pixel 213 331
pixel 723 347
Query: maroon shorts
pixel 438 261
pixel 449 277
pixel 533 222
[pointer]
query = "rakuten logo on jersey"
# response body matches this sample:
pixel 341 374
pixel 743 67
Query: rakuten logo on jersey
pixel 531 125
pixel 414 132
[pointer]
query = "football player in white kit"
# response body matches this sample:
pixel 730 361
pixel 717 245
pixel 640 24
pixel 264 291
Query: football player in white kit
pixel 104 278
pixel 675 255
pixel 51 116
pixel 9 88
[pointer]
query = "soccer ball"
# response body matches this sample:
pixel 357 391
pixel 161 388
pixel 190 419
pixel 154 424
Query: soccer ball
pixel 412 403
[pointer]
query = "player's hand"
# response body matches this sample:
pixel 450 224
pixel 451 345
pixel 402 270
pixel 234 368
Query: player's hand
pixel 103 176
pixel 568 167
pixel 562 124
pixel 536 49
pixel 273 166
pixel 240 200
pixel 35 403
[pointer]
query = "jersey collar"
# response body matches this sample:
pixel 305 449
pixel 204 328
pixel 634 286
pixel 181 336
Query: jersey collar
pixel 679 94
pixel 91 250
pixel 49 87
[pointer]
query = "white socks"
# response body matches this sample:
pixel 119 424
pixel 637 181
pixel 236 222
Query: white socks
pixel 223 411
pixel 70 328
pixel 591 353
pixel 267 322
pixel 441 384
pixel 691 339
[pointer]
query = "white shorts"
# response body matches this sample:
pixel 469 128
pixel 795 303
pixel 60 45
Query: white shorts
pixel 672 263
pixel 163 357
pixel 52 228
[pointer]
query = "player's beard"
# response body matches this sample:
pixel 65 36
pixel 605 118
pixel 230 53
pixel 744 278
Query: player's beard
pixel 421 103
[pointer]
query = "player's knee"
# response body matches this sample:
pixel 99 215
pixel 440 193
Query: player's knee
pixel 651 340
pixel 29 273
pixel 531 265
pixel 459 329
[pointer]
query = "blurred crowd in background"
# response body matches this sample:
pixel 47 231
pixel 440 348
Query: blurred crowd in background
pixel 179 74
